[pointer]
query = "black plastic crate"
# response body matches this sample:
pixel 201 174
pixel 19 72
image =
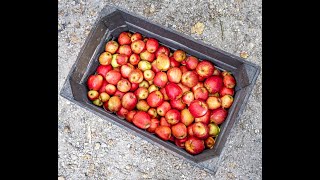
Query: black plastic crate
pixel 111 22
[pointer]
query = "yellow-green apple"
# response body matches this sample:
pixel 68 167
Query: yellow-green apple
pixel 152 112
pixel 214 130
pixel 148 74
pixel 179 55
pixel 114 104
pixel 135 76
pixel 163 62
pixel 104 97
pixel 144 65
pixel 142 105
pixel 186 117
pixel 141 93
pixel 147 56
pixel 213 102
pixel 97 102
pixel 105 58
pixel 226 101
pixel 93 94
pixel 152 88
pixel 124 85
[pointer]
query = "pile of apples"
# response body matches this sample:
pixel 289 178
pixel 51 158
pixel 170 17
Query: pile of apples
pixel 177 97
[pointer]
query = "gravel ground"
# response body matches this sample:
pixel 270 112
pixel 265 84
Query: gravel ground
pixel 93 148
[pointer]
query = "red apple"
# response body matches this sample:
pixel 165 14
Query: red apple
pixel 144 65
pixel 163 122
pixel 130 115
pixel 183 69
pixel 138 46
pixel 177 104
pixel 125 49
pixel 186 117
pixel 136 36
pixel 154 67
pixel 173 62
pixel 147 56
pixel 119 94
pixel 113 77
pixel 213 84
pixel 162 49
pixel 189 79
pixel 160 79
pixel 103 70
pixel 200 130
pixel 218 116
pixel 122 59
pixel 205 68
pixel 148 75
pixel 163 62
pixel 224 90
pixel 122 113
pixel 142 105
pixel 104 97
pixel 126 69
pixel 201 94
pixel 187 97
pixel 142 93
pixel 129 101
pixel 194 145
pixel 152 112
pixel 111 47
pixel 134 59
pixel 214 129
pixel 163 132
pixel 135 76
pixel 191 62
pixel 184 63
pixel 189 129
pixel 198 108
pixel 145 39
pixel 179 55
pixel 153 125
pixel 114 104
pixel 226 101
pixel 198 85
pixel 153 88
pixel 179 130
pixel 173 116
pixel 165 96
pixel 213 102
pixel 134 86
pixel 142 120
pixel 205 119
pixel 163 108
pixel 209 142
pixel 228 80
pixel 124 38
pixel 111 89
pixel 105 58
pixel 216 72
pixel 155 99
pixel 152 45
pixel 180 142
pixel 173 91
pixel 103 86
pixel 93 94
pixel 94 82
pixel 174 74
pixel 183 87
